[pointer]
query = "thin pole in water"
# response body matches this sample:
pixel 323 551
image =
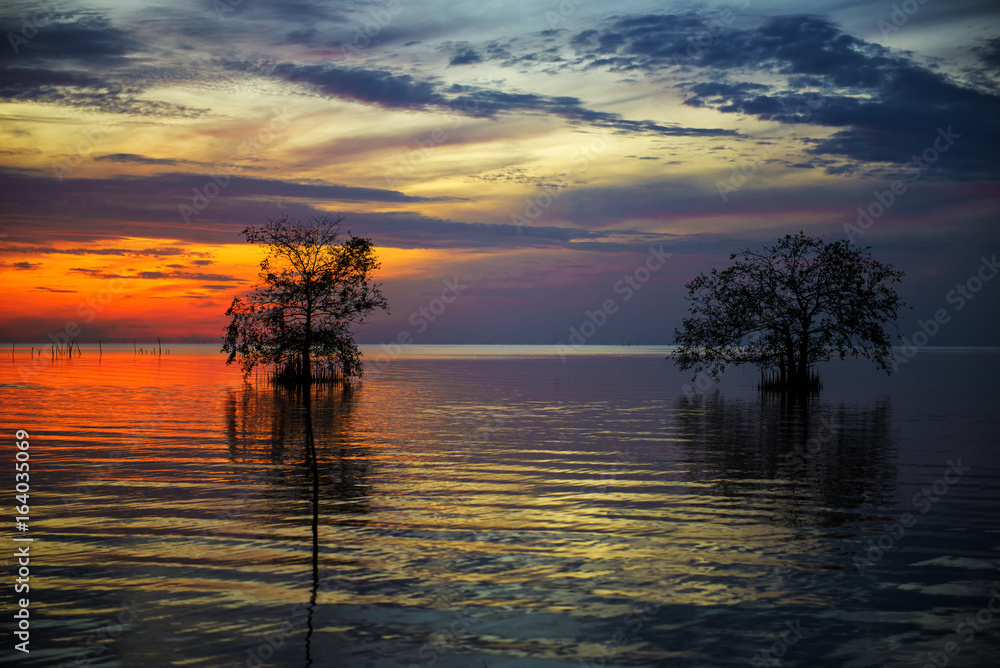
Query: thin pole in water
pixel 159 344
pixel 100 350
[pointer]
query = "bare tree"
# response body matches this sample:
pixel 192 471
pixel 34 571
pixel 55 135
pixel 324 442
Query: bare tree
pixel 788 306
pixel 314 289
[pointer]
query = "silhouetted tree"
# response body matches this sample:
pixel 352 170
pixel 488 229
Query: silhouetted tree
pixel 788 306
pixel 314 288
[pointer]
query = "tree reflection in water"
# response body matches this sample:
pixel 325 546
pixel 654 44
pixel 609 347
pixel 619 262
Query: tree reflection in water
pixel 267 429
pixel 296 445
pixel 803 462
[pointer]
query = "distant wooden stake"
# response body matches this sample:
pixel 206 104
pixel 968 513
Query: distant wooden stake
pixel 160 345
pixel 100 350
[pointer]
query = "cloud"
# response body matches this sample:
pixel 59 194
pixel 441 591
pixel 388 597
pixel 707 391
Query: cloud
pixel 394 91
pixel 160 275
pixel 465 56
pixel 158 197
pixel 78 58
pixel 80 37
pixel 143 160
pixel 124 252
pixel 402 91
pixel 887 107
pixel 74 89
pixel 145 207
pixel 989 53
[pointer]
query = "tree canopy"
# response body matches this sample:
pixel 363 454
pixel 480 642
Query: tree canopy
pixel 788 306
pixel 314 288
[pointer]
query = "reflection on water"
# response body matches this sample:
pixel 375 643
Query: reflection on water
pixel 471 507
pixel 270 426
pixel 304 434
pixel 830 459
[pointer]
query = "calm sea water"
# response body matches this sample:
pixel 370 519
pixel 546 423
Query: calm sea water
pixel 502 507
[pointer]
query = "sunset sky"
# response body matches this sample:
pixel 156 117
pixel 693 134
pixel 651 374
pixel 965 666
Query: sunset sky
pixel 531 153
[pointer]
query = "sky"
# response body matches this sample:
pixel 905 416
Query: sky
pixel 524 168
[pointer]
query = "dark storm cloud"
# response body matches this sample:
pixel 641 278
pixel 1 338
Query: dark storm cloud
pixel 26 82
pixel 793 45
pixel 394 91
pixel 76 58
pixel 402 91
pixel 74 89
pixel 492 103
pixel 989 53
pixel 888 107
pixel 78 37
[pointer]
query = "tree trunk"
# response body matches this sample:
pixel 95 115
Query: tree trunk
pixel 306 374
pixel 803 364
